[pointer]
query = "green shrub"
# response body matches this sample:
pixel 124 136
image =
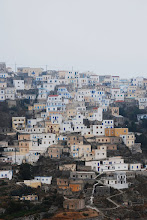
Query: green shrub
pixel 85 214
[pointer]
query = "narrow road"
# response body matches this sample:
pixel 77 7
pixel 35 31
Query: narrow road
pixel 110 200
pixel 92 197
pixel 96 209
pixel 94 186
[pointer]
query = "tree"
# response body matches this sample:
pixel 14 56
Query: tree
pixel 144 123
pixel 25 190
pixel 143 140
pixel 26 171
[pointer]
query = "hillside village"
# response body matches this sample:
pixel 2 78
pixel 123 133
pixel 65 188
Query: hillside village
pixel 73 145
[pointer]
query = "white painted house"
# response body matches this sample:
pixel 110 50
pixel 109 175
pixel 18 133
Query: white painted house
pixel 97 115
pixel 117 180
pixel 98 130
pixel 109 165
pixel 108 123
pixel 18 84
pixel 6 174
pixel 2 95
pixel 101 152
pixel 44 179
pixel 10 93
pixel 135 166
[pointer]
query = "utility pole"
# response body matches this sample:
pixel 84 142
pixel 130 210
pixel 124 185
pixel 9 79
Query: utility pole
pixel 15 155
pixel 46 67
pixel 15 67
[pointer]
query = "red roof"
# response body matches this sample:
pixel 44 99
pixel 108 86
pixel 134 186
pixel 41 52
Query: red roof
pixel 52 95
pixel 119 101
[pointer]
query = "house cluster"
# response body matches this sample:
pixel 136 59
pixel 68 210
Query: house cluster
pixel 73 115
pixel 101 90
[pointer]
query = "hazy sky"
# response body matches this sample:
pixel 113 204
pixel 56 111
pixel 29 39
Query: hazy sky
pixel 104 36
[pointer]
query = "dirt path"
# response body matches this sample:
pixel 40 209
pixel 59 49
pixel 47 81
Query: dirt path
pixel 109 198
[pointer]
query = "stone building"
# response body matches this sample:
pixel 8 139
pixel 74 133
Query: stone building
pixel 74 204
pixel 82 175
pixel 55 152
pixel 102 191
pixel 74 139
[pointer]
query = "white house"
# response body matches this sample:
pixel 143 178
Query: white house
pixel 135 166
pixel 55 103
pixel 78 119
pixel 119 97
pixel 19 84
pixel 29 96
pixel 34 130
pixel 117 180
pixel 101 152
pixel 72 75
pixel 87 132
pixel 93 79
pixel 42 93
pixel 4 75
pixel 142 103
pixel 40 142
pixel 33 121
pixel 108 123
pixel 50 86
pixel 65 127
pixel 44 179
pixel 6 174
pixel 114 92
pixel 84 92
pixel 79 127
pixel 45 138
pixel 109 165
pixel 56 119
pixel 64 92
pixel 79 97
pixel 2 95
pixel 98 130
pixel 3 85
pixel 97 115
pixel 18 159
pixel 115 80
pixel 82 82
pixel 10 93
pixel 138 81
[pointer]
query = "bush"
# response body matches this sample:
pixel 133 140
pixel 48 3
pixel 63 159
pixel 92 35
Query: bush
pixel 26 171
pixel 25 190
pixel 47 215
pixel 143 140
pixel 85 214
pixel 3 183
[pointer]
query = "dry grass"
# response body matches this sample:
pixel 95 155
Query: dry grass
pixel 75 215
